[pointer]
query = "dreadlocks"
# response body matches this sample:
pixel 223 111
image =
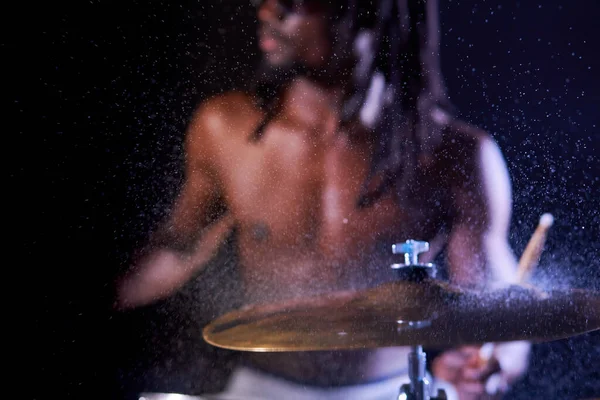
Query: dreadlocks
pixel 396 85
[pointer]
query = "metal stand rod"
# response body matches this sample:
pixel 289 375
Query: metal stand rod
pixel 419 386
pixel 416 372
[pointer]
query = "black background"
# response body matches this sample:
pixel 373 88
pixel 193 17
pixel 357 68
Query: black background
pixel 99 93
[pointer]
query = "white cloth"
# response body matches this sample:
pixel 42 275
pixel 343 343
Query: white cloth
pixel 249 384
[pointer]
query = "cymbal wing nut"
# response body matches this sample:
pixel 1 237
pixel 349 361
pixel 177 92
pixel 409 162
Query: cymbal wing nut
pixel 411 250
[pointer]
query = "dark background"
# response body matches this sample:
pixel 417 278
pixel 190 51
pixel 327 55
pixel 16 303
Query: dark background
pixel 99 93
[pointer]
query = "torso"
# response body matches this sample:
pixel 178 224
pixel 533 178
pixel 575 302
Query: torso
pixel 293 194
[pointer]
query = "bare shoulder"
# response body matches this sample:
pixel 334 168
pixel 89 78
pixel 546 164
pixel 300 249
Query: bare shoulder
pixel 472 151
pixel 220 117
pixel 478 171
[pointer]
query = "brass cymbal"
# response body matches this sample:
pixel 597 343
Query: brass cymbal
pixel 404 313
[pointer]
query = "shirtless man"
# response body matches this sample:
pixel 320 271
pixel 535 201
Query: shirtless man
pixel 339 152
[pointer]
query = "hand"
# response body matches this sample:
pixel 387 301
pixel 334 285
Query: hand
pixel 478 379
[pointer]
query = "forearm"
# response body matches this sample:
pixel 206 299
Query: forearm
pixel 480 260
pixel 167 265
pixel 467 265
pixel 501 262
pixel 152 277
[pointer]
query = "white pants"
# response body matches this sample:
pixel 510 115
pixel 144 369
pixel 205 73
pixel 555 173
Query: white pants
pixel 249 384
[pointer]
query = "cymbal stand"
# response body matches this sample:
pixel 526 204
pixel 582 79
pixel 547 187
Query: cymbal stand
pixel 419 387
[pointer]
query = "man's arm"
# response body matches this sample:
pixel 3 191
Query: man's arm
pixel 480 257
pixel 479 254
pixel 196 226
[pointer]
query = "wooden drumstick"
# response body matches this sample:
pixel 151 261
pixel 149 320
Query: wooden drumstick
pixel 531 255
pixel 527 263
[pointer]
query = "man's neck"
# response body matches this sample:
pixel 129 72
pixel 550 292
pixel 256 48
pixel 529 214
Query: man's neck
pixel 309 101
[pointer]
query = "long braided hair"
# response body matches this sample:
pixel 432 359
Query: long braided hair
pixel 396 85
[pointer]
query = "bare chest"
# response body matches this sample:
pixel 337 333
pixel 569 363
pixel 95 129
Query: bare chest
pixel 297 190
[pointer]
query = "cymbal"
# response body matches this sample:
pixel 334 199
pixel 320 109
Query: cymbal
pixel 402 313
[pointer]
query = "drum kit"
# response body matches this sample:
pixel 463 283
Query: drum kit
pixel 415 310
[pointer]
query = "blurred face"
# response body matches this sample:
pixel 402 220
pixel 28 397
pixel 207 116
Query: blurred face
pixel 293 33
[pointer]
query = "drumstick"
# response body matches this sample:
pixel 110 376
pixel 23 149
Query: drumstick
pixel 531 255
pixel 528 261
